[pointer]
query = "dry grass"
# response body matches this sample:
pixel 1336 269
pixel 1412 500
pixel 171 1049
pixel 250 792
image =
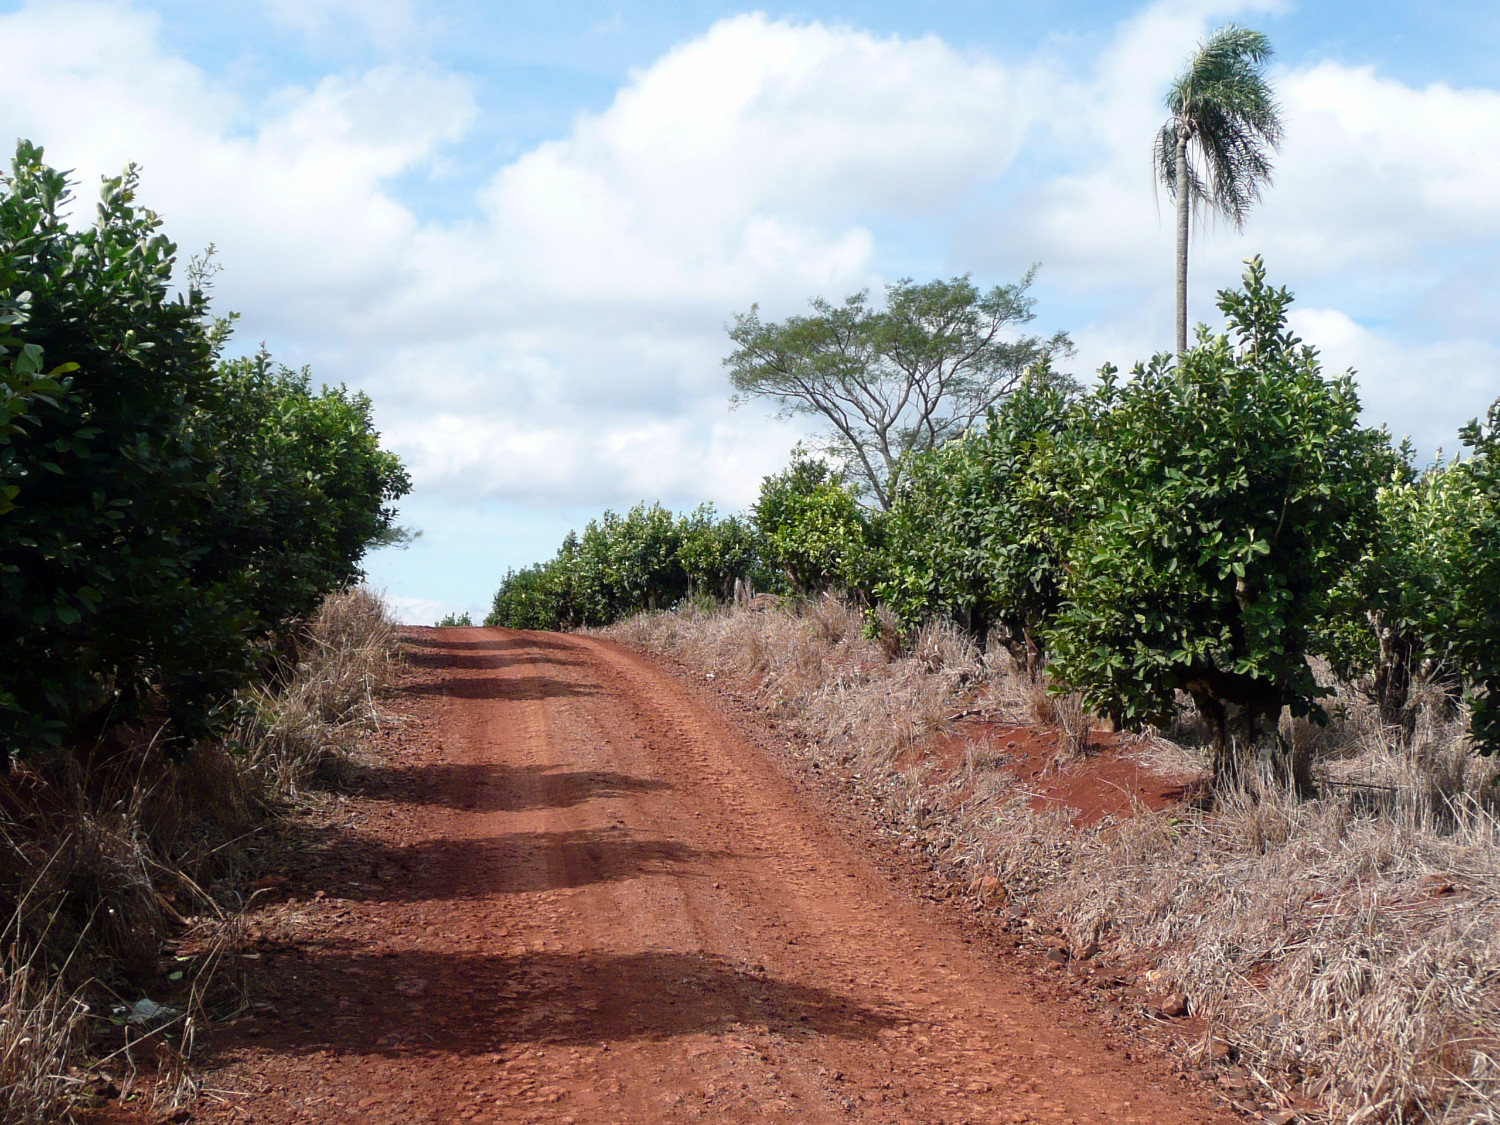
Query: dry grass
pixel 41 1026
pixel 104 853
pixel 1346 948
pixel 304 726
pixel 815 664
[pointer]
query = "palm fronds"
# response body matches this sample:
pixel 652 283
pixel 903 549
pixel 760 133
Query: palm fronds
pixel 1224 109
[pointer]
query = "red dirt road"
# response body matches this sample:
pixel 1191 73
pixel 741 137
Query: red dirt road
pixel 584 895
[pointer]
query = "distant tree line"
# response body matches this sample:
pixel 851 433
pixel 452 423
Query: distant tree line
pixel 167 516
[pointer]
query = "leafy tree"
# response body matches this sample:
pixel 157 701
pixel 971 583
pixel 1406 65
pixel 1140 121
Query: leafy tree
pixel 813 529
pixel 1212 152
pixel 894 381
pixel 714 552
pixel 1220 501
pixel 144 488
pixel 976 533
pixel 455 620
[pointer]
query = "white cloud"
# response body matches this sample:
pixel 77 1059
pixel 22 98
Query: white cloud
pixel 1420 389
pixel 739 165
pixel 590 300
pixel 563 343
pixel 291 192
pixel 738 168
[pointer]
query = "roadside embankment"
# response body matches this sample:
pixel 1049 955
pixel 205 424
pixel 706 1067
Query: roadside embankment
pixel 126 865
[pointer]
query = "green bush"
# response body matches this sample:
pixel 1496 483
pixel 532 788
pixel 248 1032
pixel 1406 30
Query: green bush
pixel 533 598
pixel 1386 610
pixel 1473 566
pixel 161 512
pixel 714 552
pixel 303 487
pixel 814 531
pixel 1425 596
pixel 642 569
pixel 1221 499
pixel 976 533
pixel 644 560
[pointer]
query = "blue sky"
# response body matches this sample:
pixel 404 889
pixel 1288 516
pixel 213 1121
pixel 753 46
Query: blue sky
pixel 522 227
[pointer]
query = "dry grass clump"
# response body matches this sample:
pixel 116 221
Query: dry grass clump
pixel 1029 697
pixel 41 1025
pixel 304 725
pixel 1346 946
pixel 1355 950
pixel 105 850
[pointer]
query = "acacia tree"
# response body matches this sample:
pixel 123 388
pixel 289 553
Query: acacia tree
pixel 895 381
pixel 1211 153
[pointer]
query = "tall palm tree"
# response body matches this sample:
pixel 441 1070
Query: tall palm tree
pixel 1212 152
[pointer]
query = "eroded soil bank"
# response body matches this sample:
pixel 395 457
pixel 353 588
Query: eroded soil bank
pixel 576 890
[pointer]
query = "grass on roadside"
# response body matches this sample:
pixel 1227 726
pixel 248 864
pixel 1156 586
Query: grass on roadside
pixel 107 853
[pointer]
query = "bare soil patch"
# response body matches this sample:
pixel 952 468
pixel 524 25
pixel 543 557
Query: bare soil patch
pixel 1110 780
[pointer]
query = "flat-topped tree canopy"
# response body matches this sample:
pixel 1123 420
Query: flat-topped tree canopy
pixel 895 381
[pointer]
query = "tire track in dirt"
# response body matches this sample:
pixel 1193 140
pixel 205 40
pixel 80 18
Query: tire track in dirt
pixel 595 900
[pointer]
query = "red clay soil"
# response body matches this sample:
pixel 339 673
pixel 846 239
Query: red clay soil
pixel 1105 781
pixel 580 891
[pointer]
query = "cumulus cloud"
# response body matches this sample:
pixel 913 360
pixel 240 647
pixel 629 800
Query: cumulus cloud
pixel 590 297
pixel 596 288
pixel 1422 389
pixel 292 191
pixel 562 342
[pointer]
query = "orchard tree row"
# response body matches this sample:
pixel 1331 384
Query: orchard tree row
pixel 806 534
pixel 1202 526
pixel 166 515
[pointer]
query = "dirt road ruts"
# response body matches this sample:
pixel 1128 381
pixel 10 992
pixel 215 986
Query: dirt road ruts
pixel 585 896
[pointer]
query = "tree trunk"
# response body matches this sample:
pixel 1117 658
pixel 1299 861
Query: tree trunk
pixel 1392 681
pixel 1184 213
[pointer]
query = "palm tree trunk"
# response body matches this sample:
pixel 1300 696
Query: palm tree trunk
pixel 1184 211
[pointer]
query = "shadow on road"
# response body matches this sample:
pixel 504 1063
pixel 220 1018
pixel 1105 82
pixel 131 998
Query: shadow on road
pixel 514 688
pixel 485 788
pixel 491 662
pixel 418 1002
pixel 347 865
pixel 460 642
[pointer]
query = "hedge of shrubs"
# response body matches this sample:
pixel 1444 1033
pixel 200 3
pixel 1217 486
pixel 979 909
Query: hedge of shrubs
pixel 1202 526
pixel 165 514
